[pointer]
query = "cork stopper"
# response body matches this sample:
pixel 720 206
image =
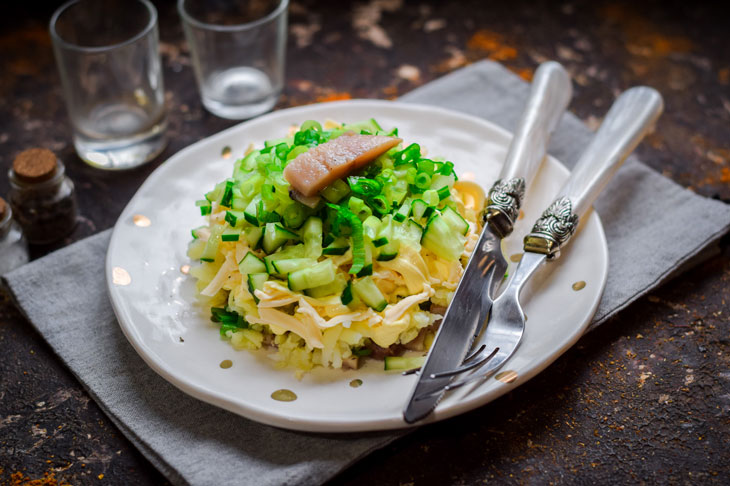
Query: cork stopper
pixel 35 165
pixel 3 208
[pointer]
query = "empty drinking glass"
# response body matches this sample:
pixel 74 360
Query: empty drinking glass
pixel 238 51
pixel 107 55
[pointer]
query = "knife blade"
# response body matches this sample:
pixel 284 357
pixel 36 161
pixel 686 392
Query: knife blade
pixel 551 91
pixel 628 120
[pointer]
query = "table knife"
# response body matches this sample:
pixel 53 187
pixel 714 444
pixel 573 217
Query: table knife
pixel 550 94
pixel 628 120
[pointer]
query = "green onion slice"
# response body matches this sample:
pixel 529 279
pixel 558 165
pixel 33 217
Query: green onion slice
pixel 358 241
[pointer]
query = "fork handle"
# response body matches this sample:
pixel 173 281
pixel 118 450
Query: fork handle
pixel 627 122
pixel 549 96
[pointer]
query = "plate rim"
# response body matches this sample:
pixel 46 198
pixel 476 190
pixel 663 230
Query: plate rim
pixel 331 425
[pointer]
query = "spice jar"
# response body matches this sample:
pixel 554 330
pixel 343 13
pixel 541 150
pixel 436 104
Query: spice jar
pixel 42 197
pixel 13 247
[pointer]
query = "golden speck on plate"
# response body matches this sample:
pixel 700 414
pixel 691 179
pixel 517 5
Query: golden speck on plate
pixel 226 152
pixel 516 257
pixel 141 220
pixel 284 395
pixel 120 276
pixel 185 269
pixel 579 285
pixel 522 214
pixel 506 376
pixel 356 383
pixel 226 363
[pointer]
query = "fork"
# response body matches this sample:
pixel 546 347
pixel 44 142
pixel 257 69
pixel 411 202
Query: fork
pixel 628 120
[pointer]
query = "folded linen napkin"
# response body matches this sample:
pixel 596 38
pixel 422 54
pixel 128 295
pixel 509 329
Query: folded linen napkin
pixel 64 296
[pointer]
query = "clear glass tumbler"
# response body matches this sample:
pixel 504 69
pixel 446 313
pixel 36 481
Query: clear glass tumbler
pixel 238 51
pixel 108 57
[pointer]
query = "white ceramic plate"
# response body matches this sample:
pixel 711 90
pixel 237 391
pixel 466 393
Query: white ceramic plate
pixel 154 301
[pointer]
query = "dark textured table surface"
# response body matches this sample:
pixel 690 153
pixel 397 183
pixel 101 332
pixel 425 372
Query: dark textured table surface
pixel 644 399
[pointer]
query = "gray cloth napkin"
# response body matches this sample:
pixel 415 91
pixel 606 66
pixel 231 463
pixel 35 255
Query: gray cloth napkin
pixel 64 296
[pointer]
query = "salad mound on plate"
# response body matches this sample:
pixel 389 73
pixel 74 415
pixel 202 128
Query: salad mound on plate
pixel 362 266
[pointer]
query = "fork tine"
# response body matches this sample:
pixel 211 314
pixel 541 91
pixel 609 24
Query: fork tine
pixel 478 361
pixel 474 354
pixel 416 371
pixel 493 367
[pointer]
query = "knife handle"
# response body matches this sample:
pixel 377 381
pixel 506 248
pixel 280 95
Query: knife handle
pixel 549 97
pixel 627 122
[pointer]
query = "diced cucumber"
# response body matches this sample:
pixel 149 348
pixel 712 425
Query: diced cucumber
pixel 377 243
pixel 317 275
pixel 346 297
pixel 235 218
pixel 366 289
pixel 439 180
pixel 195 249
pixel 370 126
pixel 249 161
pixel 337 286
pixel 414 230
pixel 265 212
pixel 370 227
pixel 327 239
pixel 442 239
pixel 403 363
pixel 251 264
pixel 217 192
pixel 253 235
pixel 402 212
pixel 335 191
pixel 358 207
pixel 431 197
pixel 367 269
pixel 387 242
pixel 312 237
pixel 238 203
pixel 211 247
pixel 227 193
pixel 256 281
pixel 283 267
pixel 294 251
pixel 388 251
pixel 277 141
pixel 252 209
pixel 252 186
pixel 294 214
pixel 205 206
pixel 240 173
pixel 275 236
pixel 408 232
pixel 231 234
pixel 197 231
pixel 455 220
pixel 337 247
pixel 395 193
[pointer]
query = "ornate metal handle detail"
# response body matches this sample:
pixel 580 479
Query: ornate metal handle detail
pixel 554 228
pixel 503 204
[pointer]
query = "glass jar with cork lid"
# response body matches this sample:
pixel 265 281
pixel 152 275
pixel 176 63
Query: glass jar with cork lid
pixel 41 196
pixel 13 247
